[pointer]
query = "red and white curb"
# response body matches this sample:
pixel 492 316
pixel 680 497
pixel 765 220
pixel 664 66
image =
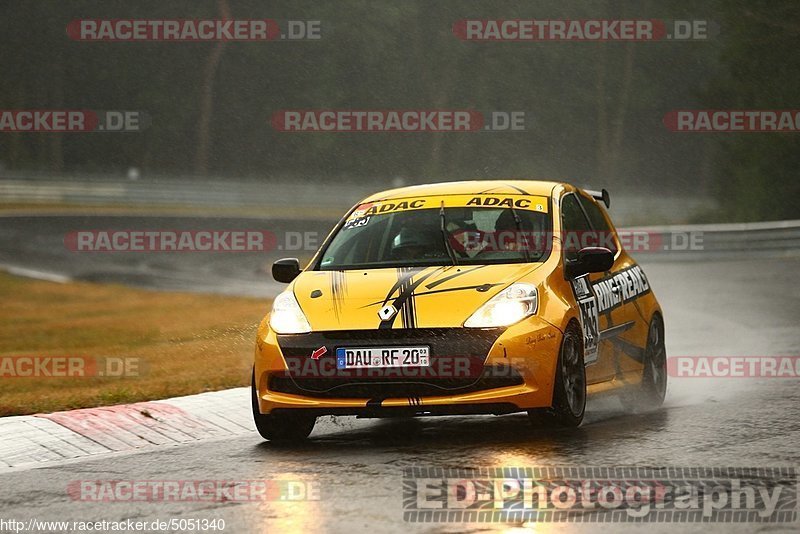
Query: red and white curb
pixel 34 440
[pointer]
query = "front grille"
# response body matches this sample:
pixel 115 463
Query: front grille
pixel 457 358
pixel 493 377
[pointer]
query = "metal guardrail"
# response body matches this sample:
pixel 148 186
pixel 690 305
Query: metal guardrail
pixel 314 201
pixel 746 240
pixel 194 192
pixel 284 196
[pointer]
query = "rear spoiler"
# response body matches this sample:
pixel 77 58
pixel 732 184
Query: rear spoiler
pixel 600 195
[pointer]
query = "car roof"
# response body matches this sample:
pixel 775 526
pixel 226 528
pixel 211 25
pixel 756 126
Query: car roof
pixel 470 187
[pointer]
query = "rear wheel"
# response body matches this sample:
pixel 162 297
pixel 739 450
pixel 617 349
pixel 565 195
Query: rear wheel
pixel 654 375
pixel 280 428
pixel 569 390
pixel 650 393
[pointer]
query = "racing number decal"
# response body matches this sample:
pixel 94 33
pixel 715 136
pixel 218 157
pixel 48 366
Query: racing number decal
pixel 355 223
pixel 587 301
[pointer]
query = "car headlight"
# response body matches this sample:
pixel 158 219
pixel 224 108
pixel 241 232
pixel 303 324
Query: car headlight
pixel 510 306
pixel 287 317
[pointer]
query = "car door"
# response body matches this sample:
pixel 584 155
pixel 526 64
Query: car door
pixel 616 293
pixel 596 317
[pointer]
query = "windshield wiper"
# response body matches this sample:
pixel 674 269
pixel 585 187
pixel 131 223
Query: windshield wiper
pixel 518 223
pixel 443 226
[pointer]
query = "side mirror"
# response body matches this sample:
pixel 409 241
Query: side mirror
pixel 591 260
pixel 285 270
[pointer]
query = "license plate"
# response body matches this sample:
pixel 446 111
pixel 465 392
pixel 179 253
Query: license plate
pixel 381 357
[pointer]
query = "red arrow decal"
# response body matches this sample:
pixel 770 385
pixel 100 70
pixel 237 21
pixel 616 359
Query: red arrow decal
pixel 319 352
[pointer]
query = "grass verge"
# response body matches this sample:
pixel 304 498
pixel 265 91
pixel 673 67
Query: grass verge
pixel 174 343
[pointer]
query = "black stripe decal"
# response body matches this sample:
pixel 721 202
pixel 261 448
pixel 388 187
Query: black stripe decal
pixel 456 275
pixel 338 289
pixel 463 288
pixel 406 293
pixel 637 353
pixel 515 188
pixel 409 317
pixel 403 273
pixel 522 191
pixel 615 330
pixel 412 311
pixel 447 290
pixel 428 286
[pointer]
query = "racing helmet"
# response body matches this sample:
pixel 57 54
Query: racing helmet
pixel 408 237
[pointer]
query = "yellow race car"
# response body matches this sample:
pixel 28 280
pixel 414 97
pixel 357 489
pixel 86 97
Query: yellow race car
pixel 475 297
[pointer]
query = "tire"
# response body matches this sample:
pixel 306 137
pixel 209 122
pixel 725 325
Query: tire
pixel 280 428
pixel 654 376
pixel 569 389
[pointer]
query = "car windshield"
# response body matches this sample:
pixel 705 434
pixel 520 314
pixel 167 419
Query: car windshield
pixel 474 235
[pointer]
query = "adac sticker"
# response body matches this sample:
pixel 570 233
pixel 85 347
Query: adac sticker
pixel 523 202
pixel 392 206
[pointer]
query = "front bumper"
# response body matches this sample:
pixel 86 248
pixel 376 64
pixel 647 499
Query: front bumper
pixel 495 371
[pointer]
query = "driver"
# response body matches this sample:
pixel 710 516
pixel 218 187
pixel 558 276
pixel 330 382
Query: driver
pixel 510 237
pixel 418 242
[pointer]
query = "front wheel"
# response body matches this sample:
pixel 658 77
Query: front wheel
pixel 280 428
pixel 569 390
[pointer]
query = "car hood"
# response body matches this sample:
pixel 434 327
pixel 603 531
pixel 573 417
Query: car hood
pixel 407 297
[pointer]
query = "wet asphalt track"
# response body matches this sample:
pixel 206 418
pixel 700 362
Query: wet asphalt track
pixel 744 307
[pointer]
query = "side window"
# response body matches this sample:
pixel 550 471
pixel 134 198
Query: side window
pixel 576 231
pixel 604 232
